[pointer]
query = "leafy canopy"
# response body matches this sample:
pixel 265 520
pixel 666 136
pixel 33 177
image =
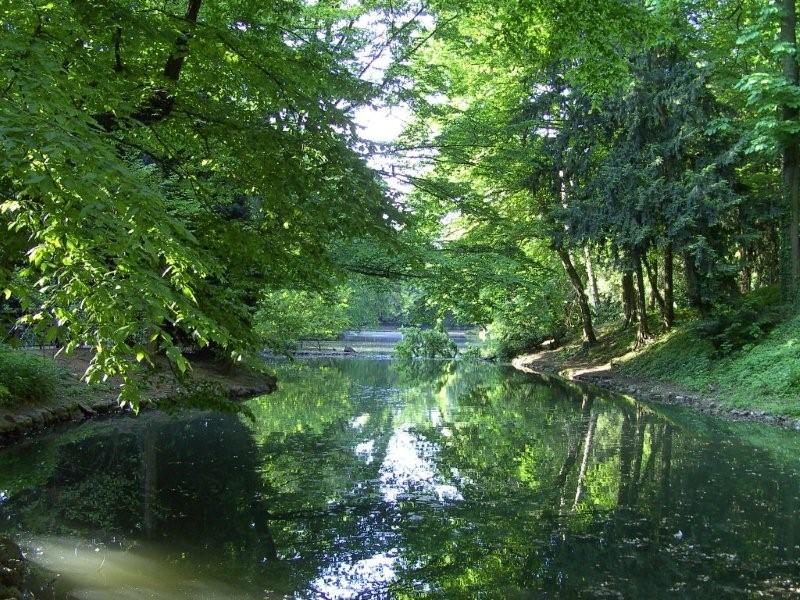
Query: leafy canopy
pixel 162 162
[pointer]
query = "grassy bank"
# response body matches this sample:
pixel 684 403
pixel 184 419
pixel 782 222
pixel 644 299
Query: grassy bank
pixel 26 377
pixel 38 389
pixel 762 377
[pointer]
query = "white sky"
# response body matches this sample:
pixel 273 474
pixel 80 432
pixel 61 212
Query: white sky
pixel 379 123
pixel 382 124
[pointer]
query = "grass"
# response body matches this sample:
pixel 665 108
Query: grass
pixel 26 377
pixel 762 376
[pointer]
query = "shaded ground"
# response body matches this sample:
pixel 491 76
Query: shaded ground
pixel 604 366
pixel 77 400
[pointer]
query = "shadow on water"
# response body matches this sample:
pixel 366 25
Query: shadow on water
pixel 366 478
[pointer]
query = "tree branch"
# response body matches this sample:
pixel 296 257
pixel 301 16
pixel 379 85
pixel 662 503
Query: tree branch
pixel 161 102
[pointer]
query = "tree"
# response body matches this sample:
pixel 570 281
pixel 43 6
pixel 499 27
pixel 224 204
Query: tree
pixel 666 182
pixel 163 162
pixel 619 133
pixel 773 89
pixel 488 134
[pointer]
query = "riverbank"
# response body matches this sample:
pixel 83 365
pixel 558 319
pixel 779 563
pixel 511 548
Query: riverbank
pixel 75 400
pixel 757 383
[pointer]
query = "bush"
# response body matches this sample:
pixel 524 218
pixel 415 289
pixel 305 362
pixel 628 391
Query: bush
pixel 425 343
pixel 286 316
pixel 733 327
pixel 26 377
pixel 509 341
pixel 471 353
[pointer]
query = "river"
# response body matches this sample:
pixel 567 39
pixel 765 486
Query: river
pixel 375 479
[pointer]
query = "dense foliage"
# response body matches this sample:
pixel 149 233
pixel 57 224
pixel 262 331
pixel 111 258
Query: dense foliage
pixel 764 375
pixel 165 164
pixel 426 343
pixel 188 175
pixel 611 160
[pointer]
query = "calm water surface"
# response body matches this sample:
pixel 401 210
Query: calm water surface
pixel 370 479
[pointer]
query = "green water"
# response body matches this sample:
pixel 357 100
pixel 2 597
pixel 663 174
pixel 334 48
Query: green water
pixel 367 479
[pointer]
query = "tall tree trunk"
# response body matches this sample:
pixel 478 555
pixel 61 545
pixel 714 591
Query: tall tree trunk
pixel 651 270
pixel 594 295
pixel 643 331
pixel 652 276
pixel 791 266
pixel 586 313
pixel 746 276
pixel 669 288
pixel 693 285
pixel 772 271
pixel 791 152
pixel 628 298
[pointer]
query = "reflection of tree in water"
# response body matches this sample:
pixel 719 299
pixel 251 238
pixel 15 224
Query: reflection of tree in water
pixel 592 503
pixel 563 492
pixel 340 484
pixel 201 487
pixel 434 373
pixel 670 531
pixel 321 440
pixel 170 482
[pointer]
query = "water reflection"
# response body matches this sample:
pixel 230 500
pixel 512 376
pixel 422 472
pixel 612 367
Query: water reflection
pixel 372 479
pixel 347 579
pixel 409 470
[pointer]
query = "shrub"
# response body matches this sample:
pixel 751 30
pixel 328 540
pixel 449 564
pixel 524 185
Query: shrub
pixel 733 327
pixel 26 377
pixel 286 316
pixel 426 343
pixel 471 353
